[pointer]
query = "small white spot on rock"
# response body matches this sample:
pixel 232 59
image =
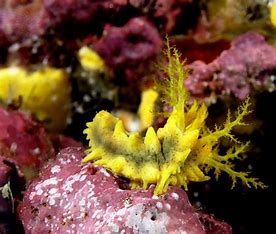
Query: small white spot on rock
pixel 32 194
pixel 52 190
pixel 13 147
pixel 35 151
pixel 168 206
pixel 39 192
pixel 175 196
pixel 52 201
pixel 55 169
pixel 82 178
pixel 104 172
pixel 82 202
pixel 159 205
pixel 51 181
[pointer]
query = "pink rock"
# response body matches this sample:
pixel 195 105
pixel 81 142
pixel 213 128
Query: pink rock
pixel 24 141
pixel 23 19
pixel 212 226
pixel 248 65
pixel 136 42
pixel 85 198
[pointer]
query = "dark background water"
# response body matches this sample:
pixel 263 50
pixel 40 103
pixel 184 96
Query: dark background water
pixel 247 210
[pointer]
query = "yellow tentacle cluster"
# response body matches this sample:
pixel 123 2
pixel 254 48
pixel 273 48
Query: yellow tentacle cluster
pixel 184 150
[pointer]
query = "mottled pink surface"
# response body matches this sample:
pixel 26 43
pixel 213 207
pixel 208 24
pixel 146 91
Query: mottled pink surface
pixel 129 50
pixel 25 19
pixel 23 140
pixel 51 30
pixel 212 226
pixel 135 42
pixel 22 19
pixel 249 64
pixel 26 142
pixel 70 196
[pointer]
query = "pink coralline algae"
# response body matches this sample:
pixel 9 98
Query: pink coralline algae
pixel 26 142
pixel 25 19
pixel 135 42
pixel 74 10
pixel 50 30
pixel 249 64
pixel 212 226
pixel 22 19
pixel 23 140
pixel 129 50
pixel 24 148
pixel 89 199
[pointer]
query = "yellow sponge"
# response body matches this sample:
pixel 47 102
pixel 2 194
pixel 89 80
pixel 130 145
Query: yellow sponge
pixel 45 93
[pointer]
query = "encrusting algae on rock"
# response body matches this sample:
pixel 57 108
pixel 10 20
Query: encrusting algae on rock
pixel 182 151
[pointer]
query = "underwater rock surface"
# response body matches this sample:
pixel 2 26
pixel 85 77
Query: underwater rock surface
pixel 129 49
pixel 135 42
pixel 24 140
pixel 25 19
pixel 248 65
pixel 85 198
pixel 26 143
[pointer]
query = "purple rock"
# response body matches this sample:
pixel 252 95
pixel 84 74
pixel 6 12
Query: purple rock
pixel 135 42
pixel 249 64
